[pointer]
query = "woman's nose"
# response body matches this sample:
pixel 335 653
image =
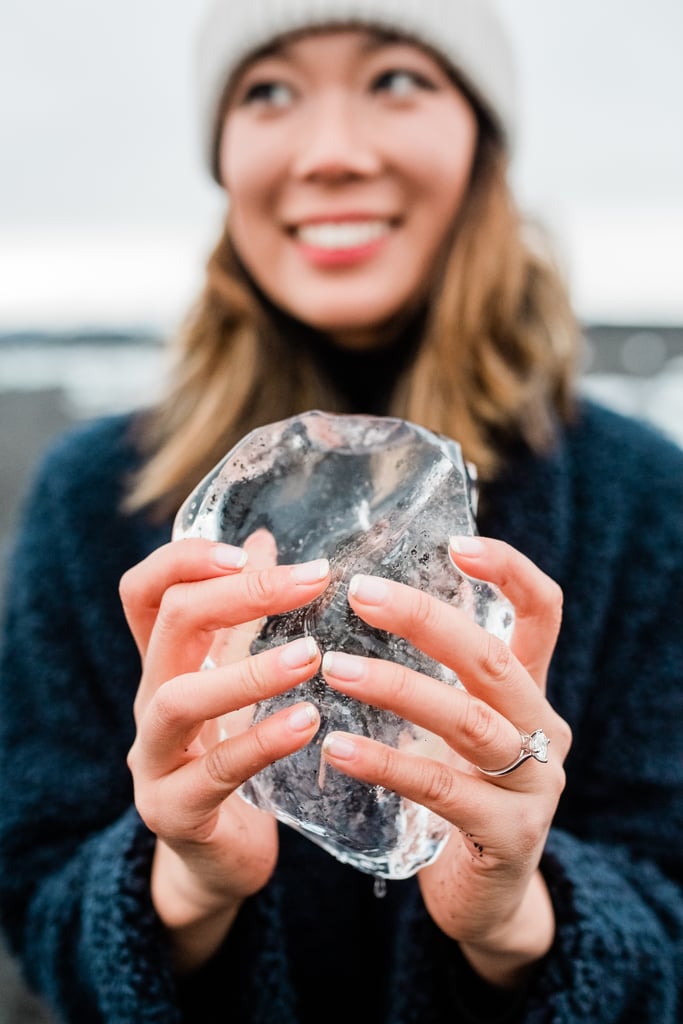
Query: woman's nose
pixel 334 142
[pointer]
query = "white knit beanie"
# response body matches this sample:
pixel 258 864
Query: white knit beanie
pixel 466 34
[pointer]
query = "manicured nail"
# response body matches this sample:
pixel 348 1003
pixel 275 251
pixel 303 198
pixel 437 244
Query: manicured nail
pixel 370 589
pixel 302 717
pixel 311 572
pixel 229 557
pixel 299 652
pixel 470 546
pixel 343 666
pixel 339 746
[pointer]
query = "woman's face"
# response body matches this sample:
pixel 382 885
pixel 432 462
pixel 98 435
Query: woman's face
pixel 346 158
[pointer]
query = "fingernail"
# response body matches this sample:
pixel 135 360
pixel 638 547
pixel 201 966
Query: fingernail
pixel 470 546
pixel 339 746
pixel 229 557
pixel 299 652
pixel 370 589
pixel 343 666
pixel 302 717
pixel 311 572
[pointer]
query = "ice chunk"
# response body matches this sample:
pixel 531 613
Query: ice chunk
pixel 375 495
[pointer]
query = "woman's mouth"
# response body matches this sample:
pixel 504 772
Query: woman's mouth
pixel 337 236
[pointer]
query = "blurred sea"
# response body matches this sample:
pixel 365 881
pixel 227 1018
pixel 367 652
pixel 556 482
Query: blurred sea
pixel 49 381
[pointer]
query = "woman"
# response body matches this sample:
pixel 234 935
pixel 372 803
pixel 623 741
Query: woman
pixel 372 260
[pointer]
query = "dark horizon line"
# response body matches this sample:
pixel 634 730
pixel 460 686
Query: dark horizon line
pixel 125 334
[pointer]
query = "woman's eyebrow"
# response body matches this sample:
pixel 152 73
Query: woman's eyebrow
pixel 377 40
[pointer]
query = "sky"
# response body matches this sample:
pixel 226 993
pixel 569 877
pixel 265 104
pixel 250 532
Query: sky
pixel 107 214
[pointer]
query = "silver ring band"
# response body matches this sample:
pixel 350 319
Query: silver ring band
pixel 534 745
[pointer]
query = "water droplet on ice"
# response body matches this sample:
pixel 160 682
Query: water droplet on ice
pixel 379 887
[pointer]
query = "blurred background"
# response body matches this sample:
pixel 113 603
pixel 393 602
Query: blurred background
pixel 107 215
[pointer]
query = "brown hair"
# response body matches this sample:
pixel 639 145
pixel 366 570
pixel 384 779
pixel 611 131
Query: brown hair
pixel 495 364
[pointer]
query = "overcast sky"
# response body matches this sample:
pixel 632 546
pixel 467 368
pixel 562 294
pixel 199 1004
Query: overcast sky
pixel 106 213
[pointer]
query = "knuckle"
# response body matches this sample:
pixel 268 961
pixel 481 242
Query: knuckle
pixel 432 782
pixel 132 758
pixel 387 764
pixel 169 704
pixel 555 593
pixel 173 609
pixel 255 674
pixel 219 765
pixel 133 593
pixel 149 807
pixel 127 587
pixel 229 763
pixel 260 589
pixel 422 610
pixel 256 753
pixel 438 784
pixel 260 753
pixel 401 683
pixel 563 735
pixel 561 781
pixel 555 603
pixel 496 658
pixel 479 723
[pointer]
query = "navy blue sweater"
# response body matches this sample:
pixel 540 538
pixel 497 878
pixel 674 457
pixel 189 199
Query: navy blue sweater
pixel 603 515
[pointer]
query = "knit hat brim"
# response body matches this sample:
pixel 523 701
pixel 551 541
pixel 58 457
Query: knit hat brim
pixel 466 34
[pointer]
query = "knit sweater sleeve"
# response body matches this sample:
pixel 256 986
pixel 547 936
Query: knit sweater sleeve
pixel 74 870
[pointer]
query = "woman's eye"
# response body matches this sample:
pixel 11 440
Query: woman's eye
pixel 272 94
pixel 401 83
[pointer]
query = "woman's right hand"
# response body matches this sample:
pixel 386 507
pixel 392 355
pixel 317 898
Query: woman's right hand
pixel 213 849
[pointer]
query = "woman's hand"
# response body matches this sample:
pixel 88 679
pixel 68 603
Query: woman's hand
pixel 213 848
pixel 485 889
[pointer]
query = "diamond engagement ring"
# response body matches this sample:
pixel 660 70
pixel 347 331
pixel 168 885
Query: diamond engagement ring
pixel 534 745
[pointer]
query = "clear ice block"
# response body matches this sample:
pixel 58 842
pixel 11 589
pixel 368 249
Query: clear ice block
pixel 375 495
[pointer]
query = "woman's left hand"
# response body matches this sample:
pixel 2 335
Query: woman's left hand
pixel 485 889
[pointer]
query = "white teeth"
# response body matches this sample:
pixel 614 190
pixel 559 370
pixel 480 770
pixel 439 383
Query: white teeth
pixel 342 234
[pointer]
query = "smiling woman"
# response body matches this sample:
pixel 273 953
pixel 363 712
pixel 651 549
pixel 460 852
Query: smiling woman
pixel 315 137
pixel 371 259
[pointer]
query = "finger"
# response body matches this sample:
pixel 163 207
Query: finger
pixel 468 801
pixel 235 643
pixel 468 725
pixel 484 663
pixel 143 586
pixel 198 788
pixel 190 613
pixel 536 597
pixel 179 709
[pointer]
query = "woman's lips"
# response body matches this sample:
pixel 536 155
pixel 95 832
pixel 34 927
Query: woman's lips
pixel 339 242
